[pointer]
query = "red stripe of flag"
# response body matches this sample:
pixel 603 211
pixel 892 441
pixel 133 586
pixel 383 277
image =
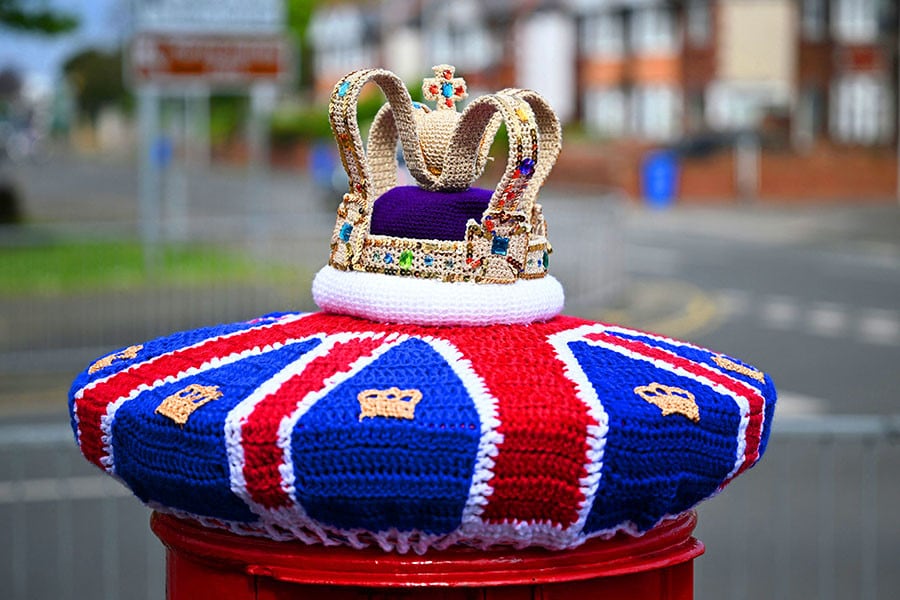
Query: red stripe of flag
pixel 521 370
pixel 754 398
pixel 95 399
pixel 259 434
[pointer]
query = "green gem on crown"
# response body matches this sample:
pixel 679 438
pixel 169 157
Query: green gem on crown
pixel 406 259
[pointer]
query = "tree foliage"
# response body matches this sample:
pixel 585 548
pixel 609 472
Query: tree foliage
pixel 96 81
pixel 21 15
pixel 299 15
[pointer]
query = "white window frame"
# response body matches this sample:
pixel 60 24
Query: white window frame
pixel 861 109
pixel 605 111
pixel 855 21
pixel 603 35
pixel 655 111
pixel 653 30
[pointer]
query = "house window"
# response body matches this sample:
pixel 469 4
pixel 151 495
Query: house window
pixel 655 112
pixel 653 30
pixel 812 19
pixel 341 41
pixel 470 47
pixel 603 35
pixel 860 109
pixel 855 21
pixel 457 32
pixel 699 22
pixel 604 111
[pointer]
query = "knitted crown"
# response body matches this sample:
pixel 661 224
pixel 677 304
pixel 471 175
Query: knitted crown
pixel 443 231
pixel 480 418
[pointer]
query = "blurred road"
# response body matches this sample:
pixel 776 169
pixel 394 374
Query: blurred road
pixel 811 295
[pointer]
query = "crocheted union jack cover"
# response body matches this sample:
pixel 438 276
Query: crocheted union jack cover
pixel 336 429
pixel 440 397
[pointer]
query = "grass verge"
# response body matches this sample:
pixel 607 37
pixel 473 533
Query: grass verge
pixel 81 266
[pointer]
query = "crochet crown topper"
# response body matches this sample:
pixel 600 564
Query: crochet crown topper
pixel 442 230
pixel 445 151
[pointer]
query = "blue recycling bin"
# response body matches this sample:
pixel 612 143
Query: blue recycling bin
pixel 323 160
pixel 659 178
pixel 162 152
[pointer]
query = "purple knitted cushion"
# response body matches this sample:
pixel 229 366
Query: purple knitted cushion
pixel 411 212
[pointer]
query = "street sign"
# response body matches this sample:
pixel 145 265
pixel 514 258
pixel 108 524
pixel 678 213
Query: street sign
pixel 220 17
pixel 210 59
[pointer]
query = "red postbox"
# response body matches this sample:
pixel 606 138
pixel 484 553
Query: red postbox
pixel 209 563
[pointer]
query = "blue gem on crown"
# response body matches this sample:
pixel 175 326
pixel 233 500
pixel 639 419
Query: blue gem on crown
pixel 500 245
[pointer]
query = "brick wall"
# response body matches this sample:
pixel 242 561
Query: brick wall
pixel 826 173
pixel 830 173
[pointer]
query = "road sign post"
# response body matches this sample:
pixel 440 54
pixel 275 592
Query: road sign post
pixel 186 49
pixel 148 175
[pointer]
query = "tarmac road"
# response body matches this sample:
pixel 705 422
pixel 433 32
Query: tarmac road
pixel 811 295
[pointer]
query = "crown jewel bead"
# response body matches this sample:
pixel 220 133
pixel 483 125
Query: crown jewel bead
pixel 500 245
pixel 526 167
pixel 406 259
pixel 443 89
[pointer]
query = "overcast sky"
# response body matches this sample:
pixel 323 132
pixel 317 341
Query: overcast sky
pixel 39 57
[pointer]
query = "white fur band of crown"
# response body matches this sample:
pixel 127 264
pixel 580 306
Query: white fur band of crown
pixel 444 150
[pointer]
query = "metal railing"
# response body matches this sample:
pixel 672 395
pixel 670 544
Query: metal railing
pixel 71 532
pixel 814 520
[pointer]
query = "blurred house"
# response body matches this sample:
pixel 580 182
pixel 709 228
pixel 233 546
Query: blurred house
pixel 846 85
pixel 690 74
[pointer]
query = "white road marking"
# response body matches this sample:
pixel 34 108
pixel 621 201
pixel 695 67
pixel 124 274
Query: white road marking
pixel 827 320
pixel 733 302
pixel 780 312
pixel 881 327
pixel 794 404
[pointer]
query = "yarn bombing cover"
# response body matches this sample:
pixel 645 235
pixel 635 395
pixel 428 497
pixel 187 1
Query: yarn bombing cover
pixel 439 397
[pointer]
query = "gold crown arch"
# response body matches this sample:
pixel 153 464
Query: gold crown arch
pixel 509 242
pixel 355 211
